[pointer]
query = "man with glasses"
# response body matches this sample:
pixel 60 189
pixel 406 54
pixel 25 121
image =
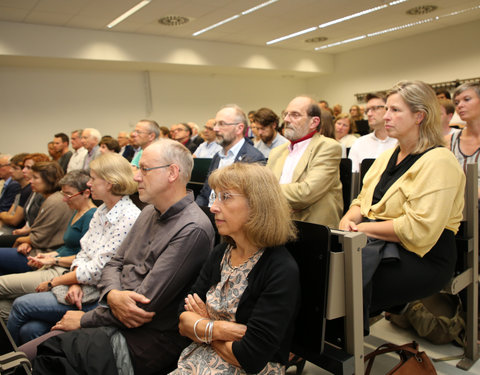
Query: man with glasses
pixel 90 139
pixel 182 133
pixel 373 144
pixel 10 187
pixel 308 167
pixel 79 152
pixel 230 125
pixel 209 148
pixel 143 284
pixel 266 122
pixel 146 132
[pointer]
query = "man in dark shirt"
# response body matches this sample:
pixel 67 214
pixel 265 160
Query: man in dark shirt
pixel 143 285
pixel 60 144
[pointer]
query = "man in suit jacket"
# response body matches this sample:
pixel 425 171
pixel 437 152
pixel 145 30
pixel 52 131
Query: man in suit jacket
pixel 126 149
pixel 10 187
pixel 308 166
pixel 230 124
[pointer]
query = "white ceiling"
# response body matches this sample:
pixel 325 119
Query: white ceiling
pixel 255 29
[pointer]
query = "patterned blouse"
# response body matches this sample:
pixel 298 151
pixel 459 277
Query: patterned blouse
pixel 105 234
pixel 222 302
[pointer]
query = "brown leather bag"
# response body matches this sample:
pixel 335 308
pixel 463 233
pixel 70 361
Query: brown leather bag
pixel 412 361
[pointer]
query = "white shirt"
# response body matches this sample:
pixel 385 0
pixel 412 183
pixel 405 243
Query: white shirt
pixel 225 160
pixel 105 233
pixel 368 147
pixel 207 150
pixel 76 161
pixel 296 153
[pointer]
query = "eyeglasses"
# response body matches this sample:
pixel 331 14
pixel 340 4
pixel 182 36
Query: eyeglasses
pixel 374 108
pixel 68 196
pixel 145 170
pixel 293 115
pixel 223 196
pixel 222 123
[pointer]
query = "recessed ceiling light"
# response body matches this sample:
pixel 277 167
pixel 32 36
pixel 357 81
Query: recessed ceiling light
pixel 173 20
pixel 316 39
pixel 422 9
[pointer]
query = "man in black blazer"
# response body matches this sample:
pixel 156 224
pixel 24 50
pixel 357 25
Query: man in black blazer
pixel 10 187
pixel 230 124
pixel 126 150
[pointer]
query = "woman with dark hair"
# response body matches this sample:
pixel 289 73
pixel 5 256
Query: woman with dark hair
pixel 109 144
pixel 49 225
pixel 410 205
pixel 54 263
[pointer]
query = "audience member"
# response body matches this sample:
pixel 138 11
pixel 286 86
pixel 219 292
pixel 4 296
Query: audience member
pixel 195 138
pixel 370 146
pixel 443 94
pixel 240 311
pixel 447 110
pixel 410 206
pixel 337 109
pixel 90 139
pixel 230 123
pixel 355 113
pixel 146 132
pixel 49 225
pixel 126 150
pixel 209 148
pixel 79 152
pixel 60 144
pixel 266 122
pixel 164 132
pixel 344 131
pixel 14 217
pixel 323 104
pixel 54 263
pixel 308 167
pixel 145 282
pixel 465 144
pixel 109 145
pixel 327 127
pixel 10 187
pixel 182 133
pixel 111 180
pixel 54 155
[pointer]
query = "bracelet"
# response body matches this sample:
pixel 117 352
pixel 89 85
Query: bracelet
pixel 195 329
pixel 209 334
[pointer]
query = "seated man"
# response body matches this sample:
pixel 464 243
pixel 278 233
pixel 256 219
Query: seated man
pixel 308 166
pixel 145 282
pixel 10 187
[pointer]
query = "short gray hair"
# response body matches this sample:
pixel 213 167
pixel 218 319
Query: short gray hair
pixel 76 179
pixel 94 133
pixel 173 152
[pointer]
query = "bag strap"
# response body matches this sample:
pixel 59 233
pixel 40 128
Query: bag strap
pixel 411 347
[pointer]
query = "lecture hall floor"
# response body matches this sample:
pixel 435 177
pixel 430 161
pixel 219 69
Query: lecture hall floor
pixel 384 331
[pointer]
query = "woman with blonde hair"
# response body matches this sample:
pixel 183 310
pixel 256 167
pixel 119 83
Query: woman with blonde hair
pixel 410 205
pixel 111 180
pixel 236 328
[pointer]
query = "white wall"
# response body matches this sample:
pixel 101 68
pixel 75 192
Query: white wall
pixel 35 103
pixel 442 55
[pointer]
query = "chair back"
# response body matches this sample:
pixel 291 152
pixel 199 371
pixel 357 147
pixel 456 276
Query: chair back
pixel 346 180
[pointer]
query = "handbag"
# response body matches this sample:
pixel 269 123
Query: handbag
pixel 90 293
pixel 412 361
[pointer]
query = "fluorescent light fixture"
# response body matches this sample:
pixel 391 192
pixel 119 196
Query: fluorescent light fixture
pixel 128 13
pixel 400 27
pixel 342 42
pixel 245 12
pixel 396 2
pixel 355 15
pixel 216 25
pixel 258 7
pixel 293 35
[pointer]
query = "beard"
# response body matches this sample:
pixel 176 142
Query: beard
pixel 222 141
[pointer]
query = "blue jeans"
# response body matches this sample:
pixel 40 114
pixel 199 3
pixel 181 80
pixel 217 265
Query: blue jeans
pixel 12 261
pixel 34 314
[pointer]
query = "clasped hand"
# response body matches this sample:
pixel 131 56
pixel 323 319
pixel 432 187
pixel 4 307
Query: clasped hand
pixel 124 307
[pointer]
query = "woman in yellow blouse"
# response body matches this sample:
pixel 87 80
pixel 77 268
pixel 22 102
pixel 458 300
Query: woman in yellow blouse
pixel 410 205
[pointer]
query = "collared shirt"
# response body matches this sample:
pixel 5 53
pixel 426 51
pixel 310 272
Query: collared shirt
pixel 265 149
pixel 368 147
pixel 225 160
pixel 296 152
pixel 76 161
pixel 107 230
pixel 90 156
pixel 136 158
pixel 207 150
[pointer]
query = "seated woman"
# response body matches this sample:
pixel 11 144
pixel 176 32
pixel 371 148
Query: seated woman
pixel 51 222
pixel 241 309
pixel 344 129
pixel 54 263
pixel 410 205
pixel 112 182
pixel 109 144
pixel 465 144
pixel 13 218
pixel 27 212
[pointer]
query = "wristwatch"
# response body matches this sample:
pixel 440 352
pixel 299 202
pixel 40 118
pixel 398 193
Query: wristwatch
pixel 56 261
pixel 50 286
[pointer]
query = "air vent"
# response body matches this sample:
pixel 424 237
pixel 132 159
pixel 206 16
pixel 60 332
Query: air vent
pixel 422 9
pixel 317 39
pixel 173 20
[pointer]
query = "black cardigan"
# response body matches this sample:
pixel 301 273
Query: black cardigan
pixel 268 306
